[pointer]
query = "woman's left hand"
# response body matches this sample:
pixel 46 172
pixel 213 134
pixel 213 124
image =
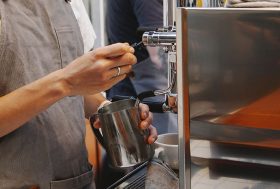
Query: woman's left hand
pixel 146 121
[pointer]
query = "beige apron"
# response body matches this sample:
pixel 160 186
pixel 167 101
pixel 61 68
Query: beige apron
pixel 37 38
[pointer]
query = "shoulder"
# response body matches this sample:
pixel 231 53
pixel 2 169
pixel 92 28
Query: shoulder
pixel 145 16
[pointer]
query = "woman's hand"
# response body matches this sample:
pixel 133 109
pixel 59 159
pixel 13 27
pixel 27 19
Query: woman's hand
pixel 146 121
pixel 172 103
pixel 98 70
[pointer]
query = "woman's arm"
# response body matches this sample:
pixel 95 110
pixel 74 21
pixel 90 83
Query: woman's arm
pixel 21 105
pixel 89 74
pixel 93 102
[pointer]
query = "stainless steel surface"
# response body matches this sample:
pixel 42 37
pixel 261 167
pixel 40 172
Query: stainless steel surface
pixel 149 175
pixel 230 134
pixel 218 166
pixel 205 151
pixel 228 63
pixel 232 65
pixel 155 38
pixel 166 149
pixel 169 10
pixel 121 136
pixel 172 70
pixel 166 38
pixel 183 102
pixel 221 176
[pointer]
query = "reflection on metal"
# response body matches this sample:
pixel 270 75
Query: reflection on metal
pixel 229 134
pixel 183 101
pixel 228 67
pixel 233 68
pixel 159 38
pixel 169 8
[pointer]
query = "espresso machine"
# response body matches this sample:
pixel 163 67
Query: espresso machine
pixel 166 37
pixel 228 96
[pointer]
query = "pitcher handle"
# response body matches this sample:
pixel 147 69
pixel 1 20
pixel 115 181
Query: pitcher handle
pixel 96 132
pixel 158 152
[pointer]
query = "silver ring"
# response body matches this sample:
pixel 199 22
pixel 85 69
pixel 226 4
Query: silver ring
pixel 119 71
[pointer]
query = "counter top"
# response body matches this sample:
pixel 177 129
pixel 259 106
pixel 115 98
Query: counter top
pixel 204 177
pixel 219 166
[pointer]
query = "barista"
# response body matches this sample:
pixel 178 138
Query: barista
pixel 47 87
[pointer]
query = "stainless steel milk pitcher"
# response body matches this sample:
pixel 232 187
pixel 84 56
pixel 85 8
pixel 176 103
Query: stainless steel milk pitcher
pixel 124 141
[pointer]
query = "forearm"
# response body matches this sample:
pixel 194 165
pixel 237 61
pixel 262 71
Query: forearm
pixel 19 106
pixel 92 102
pixel 89 74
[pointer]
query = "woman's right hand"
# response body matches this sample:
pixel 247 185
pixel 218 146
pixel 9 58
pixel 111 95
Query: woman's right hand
pixel 97 71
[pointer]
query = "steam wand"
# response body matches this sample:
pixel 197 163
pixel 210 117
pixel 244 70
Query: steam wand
pixel 166 38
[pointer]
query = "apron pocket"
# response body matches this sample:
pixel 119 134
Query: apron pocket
pixel 67 45
pixel 74 183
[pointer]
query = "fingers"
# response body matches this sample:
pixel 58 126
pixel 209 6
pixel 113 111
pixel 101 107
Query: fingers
pixel 172 103
pixel 97 124
pixel 112 51
pixel 147 119
pixel 122 65
pixel 153 135
pixel 114 59
pixel 114 80
pixel 145 115
pixel 94 121
pixel 145 123
pixel 111 67
pixel 144 110
pixel 117 71
pixel 125 59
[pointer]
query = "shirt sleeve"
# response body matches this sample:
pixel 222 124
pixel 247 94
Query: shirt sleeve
pixel 149 13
